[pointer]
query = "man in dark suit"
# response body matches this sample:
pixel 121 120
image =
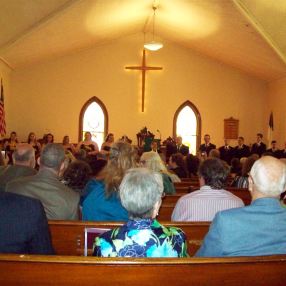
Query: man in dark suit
pixel 282 153
pixel 23 226
pixel 181 148
pixel 207 146
pixel 259 147
pixel 274 151
pixel 257 229
pixel 226 152
pixel 241 150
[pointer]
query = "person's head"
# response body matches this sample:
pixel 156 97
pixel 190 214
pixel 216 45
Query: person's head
pixel 77 174
pixel 140 193
pixel 49 138
pixel 177 160
pixel 179 140
pixel 267 177
pixel 152 161
pixel 98 168
pixel 121 158
pixel 247 165
pixel 213 172
pixel 13 136
pixel 259 137
pixel 109 138
pixel 31 137
pixel 87 136
pixel 154 146
pixel 52 157
pixel 273 144
pixel 66 140
pixel 240 140
pixel 207 138
pixel 214 153
pixel 24 155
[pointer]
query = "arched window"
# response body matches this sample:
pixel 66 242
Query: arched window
pixel 93 118
pixel 187 123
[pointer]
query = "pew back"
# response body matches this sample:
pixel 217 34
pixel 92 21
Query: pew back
pixel 68 236
pixel 59 270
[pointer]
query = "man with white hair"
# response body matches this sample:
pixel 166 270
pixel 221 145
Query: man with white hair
pixel 257 229
pixel 24 164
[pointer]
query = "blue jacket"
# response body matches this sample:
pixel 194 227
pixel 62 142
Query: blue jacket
pixel 97 207
pixel 258 229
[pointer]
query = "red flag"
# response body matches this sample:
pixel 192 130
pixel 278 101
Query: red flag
pixel 2 112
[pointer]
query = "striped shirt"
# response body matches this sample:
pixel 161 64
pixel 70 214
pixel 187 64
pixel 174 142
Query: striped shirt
pixel 202 205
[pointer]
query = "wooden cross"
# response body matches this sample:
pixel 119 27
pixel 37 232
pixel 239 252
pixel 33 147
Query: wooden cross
pixel 143 68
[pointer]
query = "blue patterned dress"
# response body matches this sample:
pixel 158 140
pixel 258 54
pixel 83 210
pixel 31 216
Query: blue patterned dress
pixel 141 238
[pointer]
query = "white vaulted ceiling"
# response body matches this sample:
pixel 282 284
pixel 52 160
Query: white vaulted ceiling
pixel 246 34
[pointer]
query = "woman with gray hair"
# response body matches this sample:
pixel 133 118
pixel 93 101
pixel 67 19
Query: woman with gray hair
pixel 142 236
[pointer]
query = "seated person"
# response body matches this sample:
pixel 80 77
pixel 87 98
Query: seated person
pixel 24 164
pixel 89 146
pixel 59 201
pixel 32 140
pixel 177 165
pixel 23 226
pixel 102 201
pixel 202 205
pixel 142 236
pixel 242 181
pixel 257 229
pixel 152 161
pixel 69 147
pixel 274 151
pixel 10 146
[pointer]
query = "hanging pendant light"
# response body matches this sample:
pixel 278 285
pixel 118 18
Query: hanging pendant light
pixel 153 45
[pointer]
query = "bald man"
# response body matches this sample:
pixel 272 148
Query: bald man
pixel 258 229
pixel 24 163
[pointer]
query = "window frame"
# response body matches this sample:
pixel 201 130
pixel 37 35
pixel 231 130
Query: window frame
pixel 83 110
pixel 198 117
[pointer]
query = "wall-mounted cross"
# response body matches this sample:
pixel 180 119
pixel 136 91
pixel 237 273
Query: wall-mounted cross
pixel 143 68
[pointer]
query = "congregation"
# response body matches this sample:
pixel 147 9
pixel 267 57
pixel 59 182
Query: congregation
pixel 45 181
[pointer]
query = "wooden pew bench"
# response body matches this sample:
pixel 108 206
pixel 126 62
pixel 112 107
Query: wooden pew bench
pixel 35 270
pixel 68 236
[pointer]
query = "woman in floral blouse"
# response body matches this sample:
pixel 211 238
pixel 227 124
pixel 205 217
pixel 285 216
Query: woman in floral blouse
pixel 142 236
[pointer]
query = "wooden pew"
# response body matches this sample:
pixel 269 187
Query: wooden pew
pixel 68 236
pixel 35 270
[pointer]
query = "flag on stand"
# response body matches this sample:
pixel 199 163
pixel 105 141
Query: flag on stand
pixel 2 112
pixel 270 129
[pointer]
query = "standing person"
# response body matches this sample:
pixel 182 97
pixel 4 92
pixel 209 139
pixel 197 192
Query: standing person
pixel 257 229
pixel 142 236
pixel 23 226
pixel 259 147
pixel 69 147
pixel 207 146
pixel 181 148
pixel 106 145
pixel 202 205
pixel 274 151
pixel 102 202
pixel 59 201
pixel 241 150
pixel 226 152
pixel 23 165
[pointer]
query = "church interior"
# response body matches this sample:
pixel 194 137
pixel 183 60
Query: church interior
pixel 228 58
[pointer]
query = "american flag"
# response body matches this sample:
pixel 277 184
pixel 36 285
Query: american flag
pixel 2 112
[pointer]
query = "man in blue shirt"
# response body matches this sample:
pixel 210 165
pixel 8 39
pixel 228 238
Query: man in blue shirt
pixel 258 229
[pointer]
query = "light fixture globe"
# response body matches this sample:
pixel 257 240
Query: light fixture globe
pixel 153 46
